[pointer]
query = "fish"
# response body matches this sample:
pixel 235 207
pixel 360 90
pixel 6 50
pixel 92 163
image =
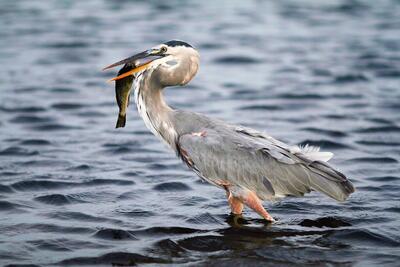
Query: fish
pixel 123 88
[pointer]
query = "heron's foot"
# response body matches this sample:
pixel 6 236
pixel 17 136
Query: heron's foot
pixel 200 134
pixel 253 202
pixel 235 220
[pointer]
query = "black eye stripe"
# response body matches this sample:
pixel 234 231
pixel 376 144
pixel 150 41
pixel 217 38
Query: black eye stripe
pixel 177 43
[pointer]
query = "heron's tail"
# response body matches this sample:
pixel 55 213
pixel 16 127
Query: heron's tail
pixel 329 181
pixel 121 121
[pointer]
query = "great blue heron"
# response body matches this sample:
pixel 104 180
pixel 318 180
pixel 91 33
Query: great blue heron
pixel 249 165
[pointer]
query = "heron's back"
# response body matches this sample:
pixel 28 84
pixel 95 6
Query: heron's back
pixel 253 160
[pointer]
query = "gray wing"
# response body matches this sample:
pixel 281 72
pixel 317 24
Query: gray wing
pixel 249 159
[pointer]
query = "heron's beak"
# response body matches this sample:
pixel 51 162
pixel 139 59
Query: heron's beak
pixel 138 62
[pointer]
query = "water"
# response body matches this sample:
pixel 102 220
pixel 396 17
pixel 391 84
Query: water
pixel 76 191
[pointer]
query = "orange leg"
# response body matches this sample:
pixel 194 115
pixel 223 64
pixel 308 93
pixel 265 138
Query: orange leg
pixel 251 200
pixel 235 203
pixel 239 196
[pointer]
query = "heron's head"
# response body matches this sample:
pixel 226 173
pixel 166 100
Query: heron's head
pixel 172 63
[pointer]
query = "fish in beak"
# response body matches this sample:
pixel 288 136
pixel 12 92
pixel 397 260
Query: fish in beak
pixel 125 77
pixel 123 87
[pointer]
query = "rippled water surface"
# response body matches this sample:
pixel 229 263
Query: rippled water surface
pixel 76 191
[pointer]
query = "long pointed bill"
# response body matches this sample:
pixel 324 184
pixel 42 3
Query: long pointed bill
pixel 138 62
pixel 130 60
pixel 131 72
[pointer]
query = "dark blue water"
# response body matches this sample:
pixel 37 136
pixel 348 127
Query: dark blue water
pixel 76 191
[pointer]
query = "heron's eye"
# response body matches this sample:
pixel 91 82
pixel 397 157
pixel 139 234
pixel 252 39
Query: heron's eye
pixel 163 49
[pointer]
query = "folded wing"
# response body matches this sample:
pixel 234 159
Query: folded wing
pixel 249 159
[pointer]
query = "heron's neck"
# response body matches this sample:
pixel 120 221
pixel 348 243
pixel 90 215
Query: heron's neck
pixel 153 109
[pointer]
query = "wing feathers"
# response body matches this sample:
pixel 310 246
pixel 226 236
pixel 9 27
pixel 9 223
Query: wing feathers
pixel 262 164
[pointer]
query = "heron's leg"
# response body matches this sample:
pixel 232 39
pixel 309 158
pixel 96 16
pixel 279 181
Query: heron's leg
pixel 235 203
pixel 251 200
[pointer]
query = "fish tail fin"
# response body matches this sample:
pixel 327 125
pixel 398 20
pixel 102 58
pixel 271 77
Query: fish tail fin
pixel 121 121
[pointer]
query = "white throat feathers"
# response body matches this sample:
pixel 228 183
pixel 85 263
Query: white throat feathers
pixel 153 109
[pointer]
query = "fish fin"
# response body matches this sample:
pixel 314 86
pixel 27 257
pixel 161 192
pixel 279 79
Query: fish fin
pixel 121 121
